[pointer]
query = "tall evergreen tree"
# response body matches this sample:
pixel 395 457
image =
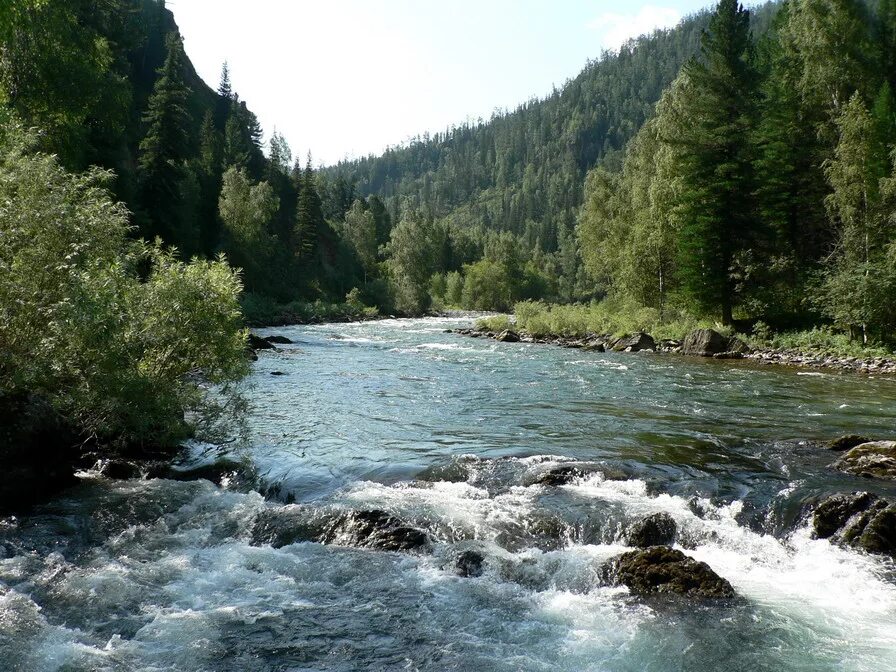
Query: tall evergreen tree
pixel 711 136
pixel 163 153
pixel 309 215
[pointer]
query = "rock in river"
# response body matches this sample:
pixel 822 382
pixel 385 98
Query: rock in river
pixel 846 442
pixel 861 520
pixel 375 529
pixel 664 570
pixel 875 459
pixel 656 530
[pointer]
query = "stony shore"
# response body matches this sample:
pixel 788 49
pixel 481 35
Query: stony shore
pixel 637 342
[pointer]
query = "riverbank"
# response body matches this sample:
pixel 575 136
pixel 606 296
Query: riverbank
pixel 642 341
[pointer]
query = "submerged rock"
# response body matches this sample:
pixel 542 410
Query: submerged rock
pixel 658 529
pixel 875 459
pixel 375 529
pixel 710 343
pixel 664 570
pixel 559 476
pixel 861 520
pixel 469 564
pixel 847 442
pixel 635 343
pixel 508 336
pixel 286 525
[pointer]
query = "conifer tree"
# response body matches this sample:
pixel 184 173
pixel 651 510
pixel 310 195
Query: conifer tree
pixel 712 141
pixel 309 215
pixel 163 152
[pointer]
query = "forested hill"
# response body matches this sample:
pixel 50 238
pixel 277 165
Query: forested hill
pixel 523 171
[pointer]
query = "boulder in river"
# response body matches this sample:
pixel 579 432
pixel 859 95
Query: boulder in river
pixel 847 442
pixel 259 343
pixel 375 529
pixel 284 525
pixel 875 459
pixel 508 336
pixel 469 563
pixel 635 343
pixel 709 343
pixel 562 475
pixel 276 339
pixel 664 570
pixel 656 530
pixel 861 520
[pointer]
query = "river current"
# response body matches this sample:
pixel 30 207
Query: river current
pixel 450 434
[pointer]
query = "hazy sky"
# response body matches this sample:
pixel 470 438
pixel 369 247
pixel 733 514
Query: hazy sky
pixel 350 77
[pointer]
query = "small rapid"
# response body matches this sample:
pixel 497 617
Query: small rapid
pixel 535 461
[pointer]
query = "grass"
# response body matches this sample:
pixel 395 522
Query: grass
pixel 496 323
pixel 823 341
pixel 605 317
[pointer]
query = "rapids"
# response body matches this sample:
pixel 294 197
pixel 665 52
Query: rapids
pixel 450 435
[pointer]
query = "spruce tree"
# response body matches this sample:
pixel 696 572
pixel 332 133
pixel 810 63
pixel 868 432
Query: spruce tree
pixel 163 152
pixel 713 149
pixel 309 215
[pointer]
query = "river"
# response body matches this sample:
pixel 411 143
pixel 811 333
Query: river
pixel 449 434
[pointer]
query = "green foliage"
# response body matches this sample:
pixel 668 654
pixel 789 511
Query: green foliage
pixel 412 251
pixel 496 323
pixel 117 334
pixel 611 316
pixel 263 311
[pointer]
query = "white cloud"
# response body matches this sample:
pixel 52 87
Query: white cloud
pixel 616 28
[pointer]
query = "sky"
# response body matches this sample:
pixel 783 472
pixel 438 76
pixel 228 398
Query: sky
pixel 346 78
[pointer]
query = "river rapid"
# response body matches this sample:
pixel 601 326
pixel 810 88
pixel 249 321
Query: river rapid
pixel 450 435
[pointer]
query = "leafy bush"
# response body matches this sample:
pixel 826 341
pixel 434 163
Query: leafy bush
pixel 496 323
pixel 121 336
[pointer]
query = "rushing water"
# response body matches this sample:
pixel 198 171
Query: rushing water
pixel 448 433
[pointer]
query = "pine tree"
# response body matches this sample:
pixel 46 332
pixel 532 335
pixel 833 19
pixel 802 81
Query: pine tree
pixel 210 173
pixel 225 98
pixel 163 152
pixel 710 134
pixel 309 215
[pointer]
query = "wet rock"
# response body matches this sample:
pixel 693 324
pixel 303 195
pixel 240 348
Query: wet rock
pixel 861 520
pixel 258 343
pixel 708 343
pixel 875 459
pixel 277 373
pixel 38 451
pixel 469 564
pixel 559 476
pixel 120 469
pixel 635 343
pixel 728 355
pixel 834 512
pixel 663 570
pixel 594 345
pixel 375 529
pixel 847 442
pixel 508 336
pixel 216 472
pixel 277 340
pixel 286 525
pixel 656 530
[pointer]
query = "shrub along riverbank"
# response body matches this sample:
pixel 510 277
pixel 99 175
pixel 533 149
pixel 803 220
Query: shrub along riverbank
pixel 107 344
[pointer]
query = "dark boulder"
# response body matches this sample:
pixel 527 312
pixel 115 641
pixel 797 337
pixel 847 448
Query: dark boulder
pixel 834 512
pixel 664 570
pixel 286 525
pixel 375 529
pixel 847 442
pixel 258 343
pixel 216 472
pixel 861 520
pixel 508 336
pixel 708 343
pixel 875 459
pixel 277 373
pixel 469 563
pixel 594 345
pixel 39 451
pixel 120 469
pixel 277 340
pixel 559 476
pixel 656 530
pixel 635 343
